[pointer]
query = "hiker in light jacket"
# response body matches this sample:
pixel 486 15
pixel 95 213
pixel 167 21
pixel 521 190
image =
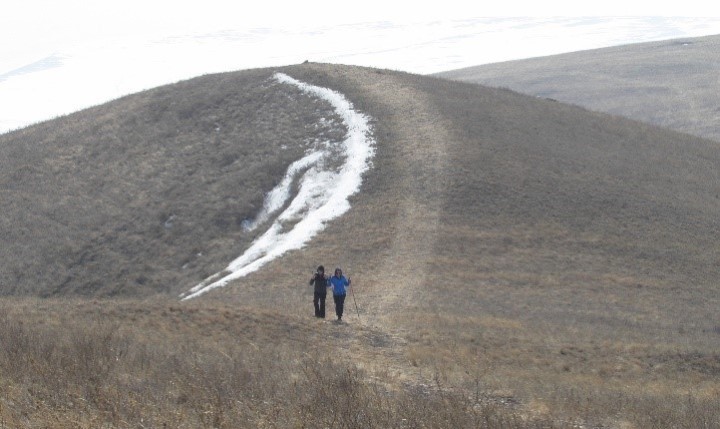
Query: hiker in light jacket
pixel 340 285
pixel 320 281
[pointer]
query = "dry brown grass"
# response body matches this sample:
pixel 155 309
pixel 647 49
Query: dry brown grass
pixel 668 83
pixel 517 263
pixel 90 364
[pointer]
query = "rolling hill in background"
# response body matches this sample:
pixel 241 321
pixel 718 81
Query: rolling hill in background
pixel 554 265
pixel 669 83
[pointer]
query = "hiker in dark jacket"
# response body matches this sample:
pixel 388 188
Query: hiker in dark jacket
pixel 320 281
pixel 339 284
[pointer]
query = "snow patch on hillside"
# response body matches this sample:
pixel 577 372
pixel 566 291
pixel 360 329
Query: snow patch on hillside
pixel 324 178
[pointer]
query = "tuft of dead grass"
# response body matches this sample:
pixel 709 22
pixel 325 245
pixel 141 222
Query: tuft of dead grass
pixel 67 364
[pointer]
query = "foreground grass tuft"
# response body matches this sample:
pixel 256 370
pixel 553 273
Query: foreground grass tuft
pixel 79 372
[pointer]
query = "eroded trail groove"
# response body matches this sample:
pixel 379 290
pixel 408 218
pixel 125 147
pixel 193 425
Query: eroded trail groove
pixel 386 242
pixel 417 146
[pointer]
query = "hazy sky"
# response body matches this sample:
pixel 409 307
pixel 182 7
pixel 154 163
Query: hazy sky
pixel 46 24
pixel 58 56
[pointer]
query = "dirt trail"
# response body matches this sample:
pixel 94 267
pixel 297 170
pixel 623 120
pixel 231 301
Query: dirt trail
pixel 417 151
pixel 386 242
pixel 419 143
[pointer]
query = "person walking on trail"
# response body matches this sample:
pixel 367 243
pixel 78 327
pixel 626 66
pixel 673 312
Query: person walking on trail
pixel 320 281
pixel 340 285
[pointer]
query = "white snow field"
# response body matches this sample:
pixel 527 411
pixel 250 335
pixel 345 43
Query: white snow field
pixel 59 62
pixel 323 192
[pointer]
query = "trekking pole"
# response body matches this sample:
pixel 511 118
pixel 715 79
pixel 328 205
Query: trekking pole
pixel 352 292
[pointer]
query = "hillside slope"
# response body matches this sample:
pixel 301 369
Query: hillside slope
pixel 147 195
pixel 528 251
pixel 668 83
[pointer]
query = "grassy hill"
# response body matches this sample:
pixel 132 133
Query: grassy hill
pixel 517 262
pixel 668 83
pixel 147 194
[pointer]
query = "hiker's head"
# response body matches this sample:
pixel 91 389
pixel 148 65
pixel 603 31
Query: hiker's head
pixel 338 272
pixel 321 269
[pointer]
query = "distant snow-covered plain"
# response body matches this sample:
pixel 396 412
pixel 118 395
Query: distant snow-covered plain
pixel 42 80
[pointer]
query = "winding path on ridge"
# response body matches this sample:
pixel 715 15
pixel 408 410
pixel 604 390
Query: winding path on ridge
pixel 413 181
pixel 419 144
pixel 397 212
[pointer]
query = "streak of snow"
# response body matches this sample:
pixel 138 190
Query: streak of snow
pixel 278 196
pixel 322 195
